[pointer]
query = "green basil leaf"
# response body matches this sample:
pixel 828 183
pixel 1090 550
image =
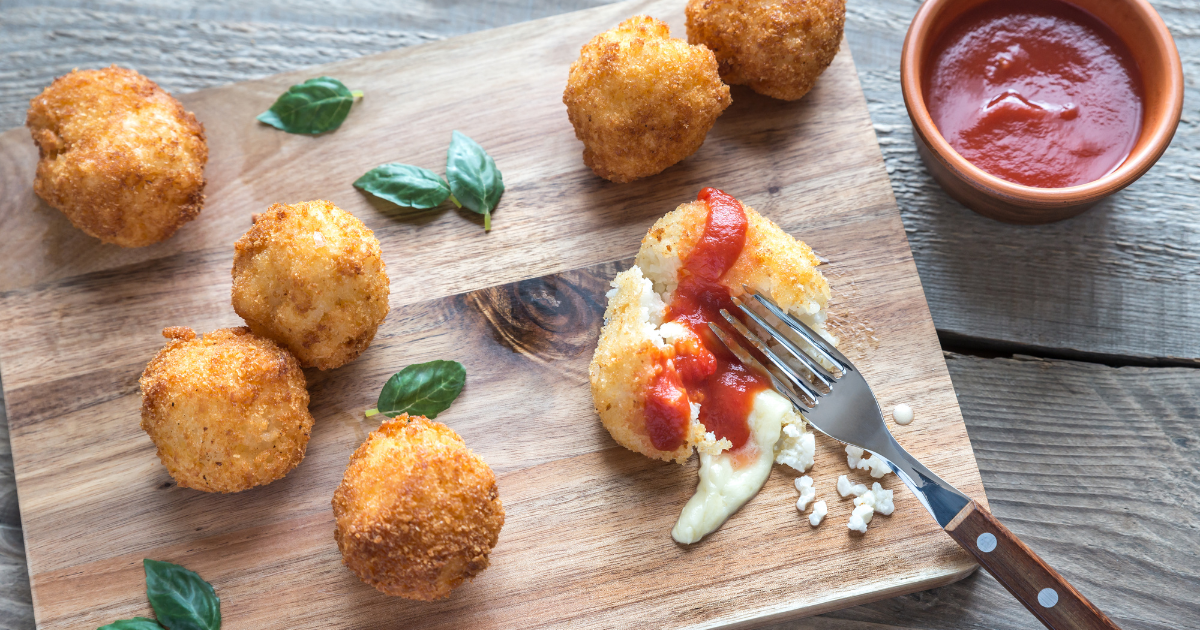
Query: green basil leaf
pixel 474 179
pixel 405 185
pixel 137 623
pixel 425 389
pixel 180 598
pixel 315 106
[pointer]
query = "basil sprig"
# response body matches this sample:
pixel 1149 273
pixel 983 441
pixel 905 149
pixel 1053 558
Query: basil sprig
pixel 181 600
pixel 406 185
pixel 137 623
pixel 474 179
pixel 315 106
pixel 424 389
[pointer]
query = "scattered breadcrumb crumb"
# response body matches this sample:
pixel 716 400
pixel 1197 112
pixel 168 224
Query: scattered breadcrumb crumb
pixel 860 518
pixel 866 503
pixel 846 488
pixel 820 509
pixel 805 486
pixel 883 499
pixel 853 456
pixel 876 464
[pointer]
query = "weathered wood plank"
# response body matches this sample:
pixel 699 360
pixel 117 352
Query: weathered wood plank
pixel 556 214
pixel 1097 469
pixel 188 47
pixel 1149 416
pixel 1122 279
pixel 1114 499
pixel 81 459
pixel 79 320
pixel 16 607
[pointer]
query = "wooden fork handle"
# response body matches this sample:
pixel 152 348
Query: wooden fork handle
pixel 1041 589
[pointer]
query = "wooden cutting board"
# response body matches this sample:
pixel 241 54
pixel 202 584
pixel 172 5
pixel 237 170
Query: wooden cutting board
pixel 586 542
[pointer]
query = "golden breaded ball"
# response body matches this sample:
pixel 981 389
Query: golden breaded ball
pixel 777 47
pixel 417 512
pixel 641 101
pixel 119 156
pixel 310 276
pixel 227 412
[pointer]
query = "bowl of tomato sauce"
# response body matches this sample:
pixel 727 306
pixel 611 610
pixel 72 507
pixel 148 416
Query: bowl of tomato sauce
pixel 1031 111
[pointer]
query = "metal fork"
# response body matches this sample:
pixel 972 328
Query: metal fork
pixel 844 408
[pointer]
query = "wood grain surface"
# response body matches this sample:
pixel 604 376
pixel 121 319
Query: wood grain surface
pixel 1110 421
pixel 520 307
pixel 1097 469
pixel 1120 280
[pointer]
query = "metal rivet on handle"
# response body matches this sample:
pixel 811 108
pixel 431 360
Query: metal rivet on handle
pixel 1047 597
pixel 986 543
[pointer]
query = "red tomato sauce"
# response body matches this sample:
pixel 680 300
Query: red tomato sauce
pixel 1039 93
pixel 708 374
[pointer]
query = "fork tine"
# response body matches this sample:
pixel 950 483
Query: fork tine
pixel 801 329
pixel 748 359
pixel 758 344
pixel 817 370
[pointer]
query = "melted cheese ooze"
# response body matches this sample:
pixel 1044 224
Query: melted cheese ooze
pixel 726 485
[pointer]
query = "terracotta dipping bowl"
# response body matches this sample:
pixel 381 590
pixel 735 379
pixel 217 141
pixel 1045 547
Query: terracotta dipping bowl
pixel 1142 30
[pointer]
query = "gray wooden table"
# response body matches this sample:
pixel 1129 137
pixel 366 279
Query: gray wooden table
pixel 1073 347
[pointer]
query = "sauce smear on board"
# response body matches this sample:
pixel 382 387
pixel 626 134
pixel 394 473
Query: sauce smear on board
pixel 706 373
pixel 1039 93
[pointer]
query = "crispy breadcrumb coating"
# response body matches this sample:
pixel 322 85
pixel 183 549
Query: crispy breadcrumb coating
pixel 417 512
pixel 311 276
pixel 227 412
pixel 119 156
pixel 772 262
pixel 634 340
pixel 777 47
pixel 641 101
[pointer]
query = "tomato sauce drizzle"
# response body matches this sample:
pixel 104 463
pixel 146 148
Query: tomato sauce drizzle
pixel 706 373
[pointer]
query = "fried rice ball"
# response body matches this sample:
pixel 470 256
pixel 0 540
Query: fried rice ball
pixel 777 47
pixel 417 512
pixel 635 340
pixel 311 276
pixel 119 156
pixel 228 411
pixel 641 101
